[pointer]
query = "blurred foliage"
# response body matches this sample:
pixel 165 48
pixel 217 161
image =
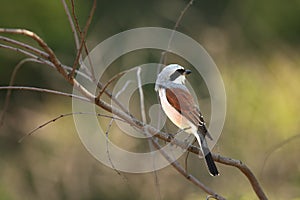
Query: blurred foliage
pixel 256 47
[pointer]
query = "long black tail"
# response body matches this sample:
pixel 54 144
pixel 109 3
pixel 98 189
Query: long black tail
pixel 212 168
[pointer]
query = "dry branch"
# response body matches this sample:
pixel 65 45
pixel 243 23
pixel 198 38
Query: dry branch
pixel 12 80
pixel 82 34
pixel 136 123
pixel 71 23
pixel 25 46
pixel 52 57
pixel 45 91
pixel 49 58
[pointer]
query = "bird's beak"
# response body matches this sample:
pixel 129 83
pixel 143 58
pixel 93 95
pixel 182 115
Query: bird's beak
pixel 187 72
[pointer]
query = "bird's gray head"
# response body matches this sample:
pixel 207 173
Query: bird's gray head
pixel 172 73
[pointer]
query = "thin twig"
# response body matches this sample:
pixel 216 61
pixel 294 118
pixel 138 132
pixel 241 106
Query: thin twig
pixel 276 147
pixel 114 99
pixel 109 158
pixel 92 71
pixel 144 120
pixel 31 55
pixel 12 80
pixel 176 26
pixel 26 46
pixel 246 171
pixel 41 60
pixel 76 39
pixel 181 170
pixel 107 149
pixel 66 115
pixel 163 58
pixel 118 75
pixel 54 61
pixel 141 92
pixel 44 90
pixel 82 34
pixel 187 156
pixel 164 53
pixel 75 17
pixel 123 88
pixel 52 56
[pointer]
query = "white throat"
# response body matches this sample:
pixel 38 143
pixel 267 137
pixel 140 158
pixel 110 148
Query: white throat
pixel 179 80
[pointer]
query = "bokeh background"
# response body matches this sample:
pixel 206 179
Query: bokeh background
pixel 254 43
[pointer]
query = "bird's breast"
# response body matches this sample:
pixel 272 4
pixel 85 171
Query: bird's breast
pixel 178 119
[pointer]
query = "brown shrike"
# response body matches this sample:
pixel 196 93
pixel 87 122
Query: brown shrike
pixel 178 104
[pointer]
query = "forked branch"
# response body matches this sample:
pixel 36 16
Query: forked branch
pixel 48 57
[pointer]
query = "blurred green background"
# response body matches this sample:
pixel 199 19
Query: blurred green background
pixel 254 43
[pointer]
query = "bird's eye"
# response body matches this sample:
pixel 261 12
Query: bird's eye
pixel 176 74
pixel 180 71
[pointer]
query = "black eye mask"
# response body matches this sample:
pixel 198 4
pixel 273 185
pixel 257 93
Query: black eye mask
pixel 176 74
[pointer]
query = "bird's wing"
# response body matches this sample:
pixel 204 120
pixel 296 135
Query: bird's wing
pixel 182 100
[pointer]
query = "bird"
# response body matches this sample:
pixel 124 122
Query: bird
pixel 179 106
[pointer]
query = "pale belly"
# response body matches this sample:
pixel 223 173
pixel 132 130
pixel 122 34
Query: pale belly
pixel 179 120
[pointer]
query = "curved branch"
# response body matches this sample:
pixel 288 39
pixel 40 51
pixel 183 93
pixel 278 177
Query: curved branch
pixel 123 115
pixel 82 34
pixel 26 46
pixel 41 60
pixel 154 132
pixel 44 90
pixel 52 56
pixel 246 171
pixel 31 55
pixel 71 24
pixel 12 80
pixel 169 138
pixel 190 177
pixel 66 115
pixel 241 166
